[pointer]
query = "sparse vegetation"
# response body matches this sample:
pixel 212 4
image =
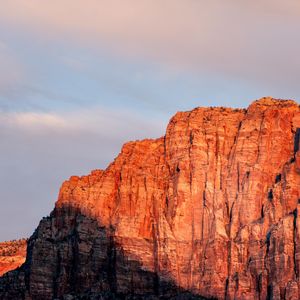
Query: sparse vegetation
pixel 11 248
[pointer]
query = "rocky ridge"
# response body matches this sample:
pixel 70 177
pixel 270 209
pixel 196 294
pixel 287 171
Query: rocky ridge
pixel 209 210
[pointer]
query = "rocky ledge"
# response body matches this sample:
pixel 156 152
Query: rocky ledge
pixel 12 255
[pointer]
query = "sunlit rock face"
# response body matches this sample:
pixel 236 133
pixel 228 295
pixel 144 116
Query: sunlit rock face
pixel 12 255
pixel 210 210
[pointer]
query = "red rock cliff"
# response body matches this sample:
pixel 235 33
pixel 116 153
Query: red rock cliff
pixel 209 209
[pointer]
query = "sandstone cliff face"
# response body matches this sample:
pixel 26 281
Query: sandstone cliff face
pixel 209 209
pixel 12 255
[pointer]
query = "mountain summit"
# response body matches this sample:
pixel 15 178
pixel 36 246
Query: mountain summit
pixel 208 210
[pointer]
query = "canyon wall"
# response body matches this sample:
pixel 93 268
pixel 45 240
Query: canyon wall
pixel 209 210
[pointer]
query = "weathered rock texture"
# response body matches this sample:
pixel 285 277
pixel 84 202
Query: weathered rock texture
pixel 209 209
pixel 12 255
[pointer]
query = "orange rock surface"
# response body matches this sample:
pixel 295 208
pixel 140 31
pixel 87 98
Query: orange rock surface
pixel 12 255
pixel 211 208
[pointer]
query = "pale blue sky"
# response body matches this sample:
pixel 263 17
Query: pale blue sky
pixel 79 78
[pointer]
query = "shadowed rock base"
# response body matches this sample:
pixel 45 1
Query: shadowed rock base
pixel 71 257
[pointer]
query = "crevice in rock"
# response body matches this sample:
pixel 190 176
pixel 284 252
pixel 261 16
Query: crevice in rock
pixel 204 199
pixel 269 292
pixel 230 213
pixel 155 259
pixel 241 122
pixel 268 237
pixel 262 214
pixel 112 258
pixel 191 138
pixel 74 261
pixel 296 140
pixel 57 273
pixel 259 285
pixel 145 184
pixel 259 139
pixel 296 271
pixel 236 279
pixel 270 195
pixel 267 242
pixel 278 178
pixel 226 287
pixel 238 177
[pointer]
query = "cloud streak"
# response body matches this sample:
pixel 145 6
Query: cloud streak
pixel 247 41
pixel 253 42
pixel 250 39
pixel 40 150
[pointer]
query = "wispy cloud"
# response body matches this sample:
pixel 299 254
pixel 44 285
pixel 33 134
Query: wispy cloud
pixel 255 41
pixel 120 125
pixel 40 150
pixel 32 120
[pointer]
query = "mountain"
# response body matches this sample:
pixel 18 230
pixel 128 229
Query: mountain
pixel 208 210
pixel 12 255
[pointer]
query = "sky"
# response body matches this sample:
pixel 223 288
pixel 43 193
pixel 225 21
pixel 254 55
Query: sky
pixel 78 78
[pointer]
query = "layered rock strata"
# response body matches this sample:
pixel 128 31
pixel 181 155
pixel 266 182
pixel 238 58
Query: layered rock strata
pixel 209 210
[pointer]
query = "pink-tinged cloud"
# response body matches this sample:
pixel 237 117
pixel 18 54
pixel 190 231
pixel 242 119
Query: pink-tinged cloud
pixel 40 150
pixel 253 40
pixel 120 126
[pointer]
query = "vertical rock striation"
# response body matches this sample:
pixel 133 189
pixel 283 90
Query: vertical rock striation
pixel 210 209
